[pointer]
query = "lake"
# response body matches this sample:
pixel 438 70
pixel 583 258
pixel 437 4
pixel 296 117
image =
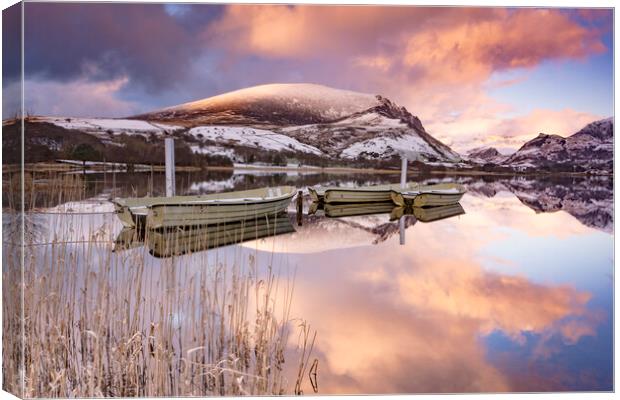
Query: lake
pixel 511 292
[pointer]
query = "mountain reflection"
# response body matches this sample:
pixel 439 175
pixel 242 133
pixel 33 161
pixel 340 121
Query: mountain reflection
pixel 588 200
pixel 499 293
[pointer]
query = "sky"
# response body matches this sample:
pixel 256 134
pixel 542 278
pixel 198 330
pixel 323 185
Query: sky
pixel 474 76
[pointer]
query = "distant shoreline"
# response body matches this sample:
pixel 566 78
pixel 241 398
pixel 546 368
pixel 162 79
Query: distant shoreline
pixel 74 166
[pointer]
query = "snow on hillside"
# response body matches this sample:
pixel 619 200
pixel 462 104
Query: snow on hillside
pixel 214 151
pixel 251 137
pixel 103 125
pixel 328 102
pixel 408 144
pixel 369 135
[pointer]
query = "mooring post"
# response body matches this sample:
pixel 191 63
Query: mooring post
pixel 300 207
pixel 403 173
pixel 170 182
pixel 151 181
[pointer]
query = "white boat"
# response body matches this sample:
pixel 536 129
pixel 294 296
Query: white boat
pixel 364 194
pixel 159 212
pixel 428 195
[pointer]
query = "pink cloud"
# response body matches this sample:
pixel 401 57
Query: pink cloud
pixel 442 44
pixel 438 62
pixel 471 51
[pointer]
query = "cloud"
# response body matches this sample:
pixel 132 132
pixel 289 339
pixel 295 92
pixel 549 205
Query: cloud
pixel 81 96
pixel 11 42
pixel 141 42
pixel 441 44
pixel 438 62
pixel 514 132
pixel 514 39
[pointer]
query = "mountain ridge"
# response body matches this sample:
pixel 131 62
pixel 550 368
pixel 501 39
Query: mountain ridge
pixel 590 148
pixel 340 123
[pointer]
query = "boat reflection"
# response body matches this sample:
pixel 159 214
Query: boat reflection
pixel 345 225
pixel 428 214
pixel 179 240
pixel 422 214
pixel 350 209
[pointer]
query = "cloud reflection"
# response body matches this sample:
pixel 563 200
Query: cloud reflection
pixel 418 318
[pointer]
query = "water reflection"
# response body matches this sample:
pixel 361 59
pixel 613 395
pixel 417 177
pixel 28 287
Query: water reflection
pixel 179 240
pixel 442 315
pixel 510 295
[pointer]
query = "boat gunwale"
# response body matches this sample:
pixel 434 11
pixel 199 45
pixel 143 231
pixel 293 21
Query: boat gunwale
pixel 148 202
pixel 226 202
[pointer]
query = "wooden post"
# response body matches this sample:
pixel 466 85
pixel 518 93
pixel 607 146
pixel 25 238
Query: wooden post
pixel 300 207
pixel 170 186
pixel 403 173
pixel 151 182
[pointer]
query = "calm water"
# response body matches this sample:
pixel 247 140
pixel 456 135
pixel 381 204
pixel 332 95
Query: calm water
pixel 515 294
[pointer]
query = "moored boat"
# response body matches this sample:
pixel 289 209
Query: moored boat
pixel 220 207
pixel 128 238
pixel 428 195
pixel 364 194
pixel 158 212
pixel 316 193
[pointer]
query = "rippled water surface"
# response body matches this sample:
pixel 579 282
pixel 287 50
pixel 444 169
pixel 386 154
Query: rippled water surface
pixel 512 294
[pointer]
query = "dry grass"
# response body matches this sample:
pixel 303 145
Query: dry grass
pixel 99 323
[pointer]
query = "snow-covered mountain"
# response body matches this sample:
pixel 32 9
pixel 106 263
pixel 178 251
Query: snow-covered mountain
pixel 272 104
pixel 339 124
pixel 483 155
pixel 589 149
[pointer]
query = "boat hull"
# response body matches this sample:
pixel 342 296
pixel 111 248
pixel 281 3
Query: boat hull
pixel 425 199
pixel 370 194
pixel 429 195
pixel 135 212
pixel 316 194
pixel 125 216
pixel 436 200
pixel 169 215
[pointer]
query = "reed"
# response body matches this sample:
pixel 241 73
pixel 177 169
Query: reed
pixel 99 323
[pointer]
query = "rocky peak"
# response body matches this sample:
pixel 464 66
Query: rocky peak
pixel 601 130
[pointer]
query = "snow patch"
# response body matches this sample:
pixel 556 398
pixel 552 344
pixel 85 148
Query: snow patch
pixel 251 137
pixel 103 125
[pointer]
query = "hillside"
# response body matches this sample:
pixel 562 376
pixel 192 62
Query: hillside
pixel 340 124
pixel 591 148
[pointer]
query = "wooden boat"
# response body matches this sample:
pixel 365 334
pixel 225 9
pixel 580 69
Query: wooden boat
pixel 158 212
pixel 428 214
pixel 429 195
pixel 355 209
pixel 315 208
pixel 364 194
pixel 132 211
pixel 128 238
pixel 180 240
pixel 316 194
